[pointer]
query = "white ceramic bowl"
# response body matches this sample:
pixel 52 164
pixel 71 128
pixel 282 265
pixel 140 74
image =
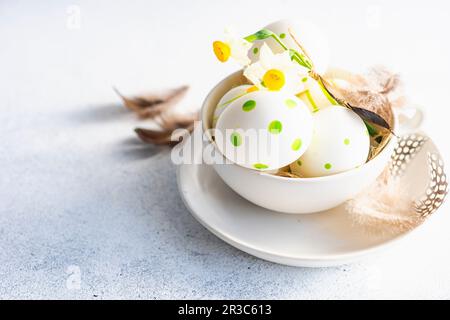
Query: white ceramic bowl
pixel 290 195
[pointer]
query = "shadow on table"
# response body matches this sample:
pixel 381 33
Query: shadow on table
pixel 100 113
pixel 134 149
pixel 131 148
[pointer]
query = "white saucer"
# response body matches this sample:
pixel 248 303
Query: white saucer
pixel 317 240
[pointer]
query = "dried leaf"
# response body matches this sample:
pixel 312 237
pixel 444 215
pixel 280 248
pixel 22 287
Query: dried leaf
pixel 151 105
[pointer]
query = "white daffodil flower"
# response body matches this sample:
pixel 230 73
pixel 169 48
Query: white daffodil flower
pixel 234 47
pixel 276 72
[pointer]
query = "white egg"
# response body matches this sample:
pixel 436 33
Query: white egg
pixel 264 130
pixel 314 96
pixel 340 142
pixel 228 98
pixel 313 41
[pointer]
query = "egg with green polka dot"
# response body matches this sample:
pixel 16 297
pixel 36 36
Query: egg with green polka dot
pixel 264 130
pixel 339 144
pixel 232 95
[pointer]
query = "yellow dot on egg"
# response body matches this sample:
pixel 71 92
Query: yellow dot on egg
pixel 274 79
pixel 221 50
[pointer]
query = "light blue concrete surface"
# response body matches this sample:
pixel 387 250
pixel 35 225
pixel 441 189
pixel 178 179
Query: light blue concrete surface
pixel 86 211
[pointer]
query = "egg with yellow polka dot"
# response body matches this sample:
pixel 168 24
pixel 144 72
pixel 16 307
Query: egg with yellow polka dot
pixel 340 142
pixel 264 130
pixel 231 96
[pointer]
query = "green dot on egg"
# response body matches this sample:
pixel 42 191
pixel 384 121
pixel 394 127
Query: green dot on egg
pixel 249 105
pixel 255 50
pixel 327 166
pixel 304 79
pixel 283 35
pixel 236 139
pixel 346 141
pixel 260 166
pixel 290 103
pixel 275 127
pixel 297 144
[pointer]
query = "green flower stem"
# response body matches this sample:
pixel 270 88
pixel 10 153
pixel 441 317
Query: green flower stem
pixel 325 90
pixel 277 39
pixel 296 56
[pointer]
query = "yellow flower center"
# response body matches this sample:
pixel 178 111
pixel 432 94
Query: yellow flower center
pixel 221 50
pixel 252 89
pixel 274 79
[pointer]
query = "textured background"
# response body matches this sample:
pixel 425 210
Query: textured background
pixel 86 211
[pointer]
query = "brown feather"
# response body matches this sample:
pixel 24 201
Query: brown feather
pixel 151 105
pixel 175 121
pixel 168 125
